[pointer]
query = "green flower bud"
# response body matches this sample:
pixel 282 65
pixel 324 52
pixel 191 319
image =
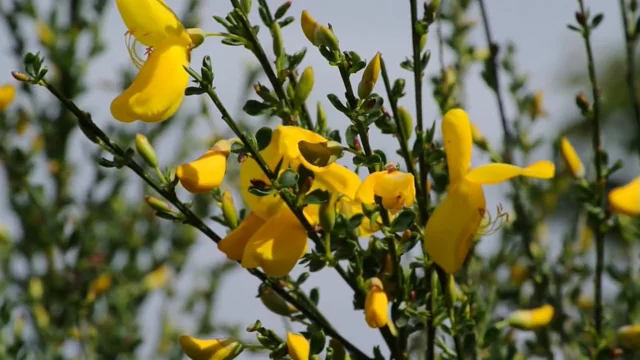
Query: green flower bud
pixel 327 213
pixel 324 36
pixel 305 85
pixel 197 36
pixel 282 10
pixel 321 119
pixel 245 5
pixel 146 151
pixel 369 77
pixel 157 204
pixel 339 352
pixel 406 122
pixel 423 41
pixel 278 43
pixel 229 210
pixel 275 303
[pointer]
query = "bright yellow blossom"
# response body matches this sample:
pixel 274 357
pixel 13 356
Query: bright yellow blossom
pixel 571 158
pixel 207 172
pixel 317 33
pixel 272 237
pixel 531 319
pixel 451 228
pixel 298 346
pixel 214 349
pixel 626 199
pixel 158 90
pixel 7 94
pixel 395 188
pixel 629 337
pixel 376 305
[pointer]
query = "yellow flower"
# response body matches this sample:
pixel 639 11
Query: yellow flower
pixel 629 337
pixel 376 305
pixel 571 158
pixel 531 319
pixel 99 286
pixel 626 199
pixel 395 188
pixel 207 172
pixel 158 277
pixel 158 90
pixel 369 77
pixel 298 346
pixel 452 226
pixel 214 349
pixel 272 237
pixel 7 94
pixel 317 33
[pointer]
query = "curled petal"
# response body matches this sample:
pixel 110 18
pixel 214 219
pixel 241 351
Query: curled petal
pixel 206 173
pixel 496 173
pixel 152 21
pixel 456 134
pixel 277 245
pixel 234 243
pixel 158 90
pixel 626 199
pixel 376 307
pixel 451 228
pixel 7 94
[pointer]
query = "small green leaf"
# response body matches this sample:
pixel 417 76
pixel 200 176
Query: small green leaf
pixel 314 295
pixel 403 221
pixel 255 107
pixel 350 135
pixel 597 20
pixel 355 221
pixel 263 137
pixel 317 342
pixel 289 178
pixel 194 90
pixel 573 28
pixel 316 197
pixel 335 101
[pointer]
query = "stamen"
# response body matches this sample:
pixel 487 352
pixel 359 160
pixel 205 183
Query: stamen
pixel 491 225
pixel 130 43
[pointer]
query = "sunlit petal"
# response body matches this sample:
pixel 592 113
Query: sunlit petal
pixel 234 243
pixel 451 228
pixel 289 145
pixel 456 134
pixel 626 199
pixel 207 172
pixel 277 245
pixel 496 173
pixel 397 190
pixel 571 158
pixel 152 21
pixel 158 90
pixel 298 346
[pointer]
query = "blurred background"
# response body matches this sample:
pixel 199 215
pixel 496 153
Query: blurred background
pixel 88 269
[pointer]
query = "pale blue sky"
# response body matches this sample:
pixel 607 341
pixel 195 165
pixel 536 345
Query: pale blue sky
pixel 546 48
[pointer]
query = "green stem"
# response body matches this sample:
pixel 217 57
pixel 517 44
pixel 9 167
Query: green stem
pixel 85 121
pixel 600 176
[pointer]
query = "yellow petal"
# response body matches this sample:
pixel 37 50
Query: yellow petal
pixel 338 179
pixel 277 245
pixel 298 346
pixel 456 134
pixel 532 319
pixel 496 173
pixel 152 21
pixel 626 199
pixel 204 174
pixel 365 193
pixel 397 190
pixel 158 90
pixel 571 158
pixel 234 243
pixel 309 27
pixel 376 306
pixel 289 145
pixel 451 228
pixel 629 336
pixel 213 349
pixel 7 94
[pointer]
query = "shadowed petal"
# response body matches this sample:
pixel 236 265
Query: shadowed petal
pixel 152 21
pixel 233 245
pixel 626 199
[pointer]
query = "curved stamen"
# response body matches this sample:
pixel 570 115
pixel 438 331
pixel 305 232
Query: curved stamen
pixel 490 224
pixel 130 43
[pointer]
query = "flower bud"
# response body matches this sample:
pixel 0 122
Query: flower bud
pixel 275 303
pixel 339 353
pixel 229 212
pixel 629 337
pixel 406 122
pixel 41 316
pixel 537 109
pixel 157 204
pixel 278 43
pixel 321 119
pixel 207 172
pixel 197 37
pixel 214 349
pixel 8 92
pixel 146 151
pixel 571 158
pixel 369 77
pixel 423 41
pixel 376 305
pixel 326 37
pixel 582 102
pixel 478 138
pixel 304 87
pixel 298 346
pixel 22 77
pixel 327 213
pixel 531 319
pixel 626 199
pixel 35 288
pixel 245 5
